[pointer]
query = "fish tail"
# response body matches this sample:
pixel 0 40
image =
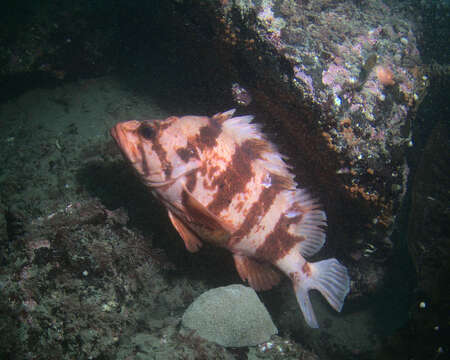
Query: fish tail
pixel 330 278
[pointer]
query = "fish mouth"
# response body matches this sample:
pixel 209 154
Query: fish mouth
pixel 113 133
pixel 119 133
pixel 156 184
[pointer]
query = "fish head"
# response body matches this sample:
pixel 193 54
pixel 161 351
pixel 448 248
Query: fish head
pixel 158 150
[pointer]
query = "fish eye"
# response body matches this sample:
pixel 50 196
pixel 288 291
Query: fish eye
pixel 147 132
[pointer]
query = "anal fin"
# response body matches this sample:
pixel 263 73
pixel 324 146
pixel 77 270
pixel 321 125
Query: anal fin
pixel 260 276
pixel 191 241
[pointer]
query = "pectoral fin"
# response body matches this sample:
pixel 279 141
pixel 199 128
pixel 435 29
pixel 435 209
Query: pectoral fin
pixel 260 276
pixel 208 226
pixel 192 242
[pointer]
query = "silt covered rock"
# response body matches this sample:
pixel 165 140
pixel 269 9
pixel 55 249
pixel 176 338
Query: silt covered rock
pixel 230 316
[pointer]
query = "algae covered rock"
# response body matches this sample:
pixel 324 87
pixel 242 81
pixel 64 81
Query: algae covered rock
pixel 230 316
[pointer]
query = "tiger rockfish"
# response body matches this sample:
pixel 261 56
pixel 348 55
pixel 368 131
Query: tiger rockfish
pixel 224 183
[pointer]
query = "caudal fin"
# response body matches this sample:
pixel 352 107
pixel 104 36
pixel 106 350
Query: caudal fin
pixel 329 277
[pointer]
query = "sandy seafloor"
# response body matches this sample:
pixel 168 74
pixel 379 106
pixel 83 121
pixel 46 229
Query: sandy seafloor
pixel 54 141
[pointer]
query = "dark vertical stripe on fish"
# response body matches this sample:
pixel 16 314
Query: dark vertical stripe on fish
pixel 187 152
pixel 162 155
pixel 233 180
pixel 209 134
pixel 191 181
pixel 255 214
pixel 164 124
pixel 279 242
pixel 144 162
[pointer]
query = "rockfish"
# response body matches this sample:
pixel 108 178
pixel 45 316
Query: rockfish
pixel 224 183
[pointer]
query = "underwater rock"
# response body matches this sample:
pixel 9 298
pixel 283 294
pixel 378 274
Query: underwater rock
pixel 231 316
pixel 339 106
pixel 345 129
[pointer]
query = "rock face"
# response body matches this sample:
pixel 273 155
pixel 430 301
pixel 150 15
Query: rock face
pixel 230 316
pixel 341 106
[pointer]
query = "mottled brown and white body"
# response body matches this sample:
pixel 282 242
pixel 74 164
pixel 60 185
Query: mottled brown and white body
pixel 224 183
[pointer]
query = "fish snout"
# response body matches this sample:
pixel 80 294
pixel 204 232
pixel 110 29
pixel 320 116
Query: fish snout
pixel 125 136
